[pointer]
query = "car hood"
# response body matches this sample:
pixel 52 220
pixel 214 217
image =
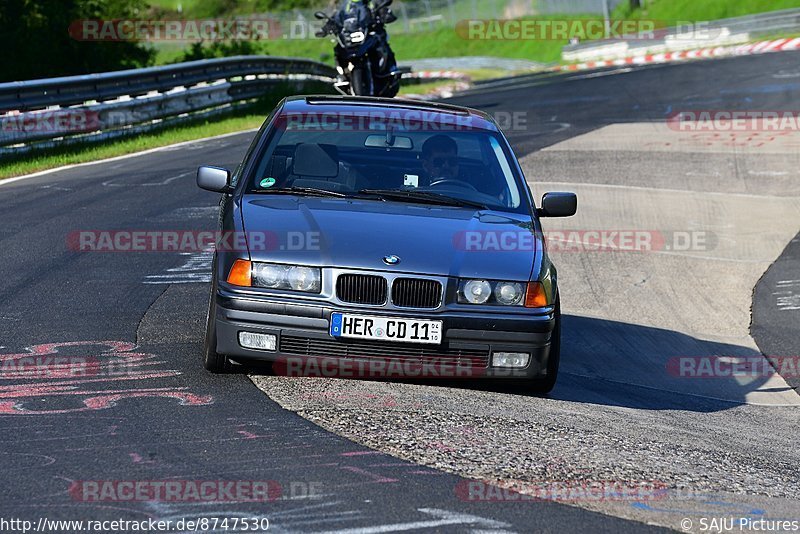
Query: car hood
pixel 359 234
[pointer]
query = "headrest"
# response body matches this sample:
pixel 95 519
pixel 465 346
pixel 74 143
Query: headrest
pixel 320 161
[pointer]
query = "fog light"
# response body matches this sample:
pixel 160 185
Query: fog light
pixel 510 359
pixel 251 340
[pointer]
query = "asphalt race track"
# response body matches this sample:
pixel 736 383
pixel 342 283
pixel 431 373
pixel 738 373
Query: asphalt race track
pixel 721 446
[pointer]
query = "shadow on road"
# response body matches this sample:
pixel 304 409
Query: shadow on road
pixel 618 364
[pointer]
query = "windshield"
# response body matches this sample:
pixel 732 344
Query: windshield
pixel 383 160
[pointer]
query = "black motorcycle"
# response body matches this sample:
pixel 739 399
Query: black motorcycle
pixel 364 59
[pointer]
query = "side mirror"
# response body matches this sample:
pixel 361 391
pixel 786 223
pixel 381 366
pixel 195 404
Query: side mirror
pixel 558 205
pixel 214 179
pixel 320 15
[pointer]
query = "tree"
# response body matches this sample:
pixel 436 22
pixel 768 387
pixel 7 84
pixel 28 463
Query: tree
pixel 36 42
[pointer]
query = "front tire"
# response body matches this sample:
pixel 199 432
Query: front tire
pixel 213 361
pixel 360 81
pixel 545 385
pixel 392 89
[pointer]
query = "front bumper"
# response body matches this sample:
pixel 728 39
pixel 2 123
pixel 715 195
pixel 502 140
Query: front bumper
pixel 303 340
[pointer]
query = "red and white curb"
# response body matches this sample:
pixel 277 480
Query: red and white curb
pixel 437 75
pixel 763 47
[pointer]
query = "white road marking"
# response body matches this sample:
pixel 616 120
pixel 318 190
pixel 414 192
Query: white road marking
pixel 112 183
pixel 767 173
pixel 715 174
pixel 444 518
pixel 602 74
pixel 196 270
pixel 199 212
pixel 787 300
pixel 54 187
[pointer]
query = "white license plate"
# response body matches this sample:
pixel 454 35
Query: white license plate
pixel 386 328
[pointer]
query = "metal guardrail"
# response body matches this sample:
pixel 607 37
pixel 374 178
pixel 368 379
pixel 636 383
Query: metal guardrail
pixel 72 90
pixel 114 104
pixel 763 23
pixel 703 34
pixel 62 111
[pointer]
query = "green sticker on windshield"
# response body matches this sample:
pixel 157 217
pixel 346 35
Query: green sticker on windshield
pixel 267 182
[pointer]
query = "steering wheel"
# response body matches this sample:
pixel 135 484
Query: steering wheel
pixel 451 181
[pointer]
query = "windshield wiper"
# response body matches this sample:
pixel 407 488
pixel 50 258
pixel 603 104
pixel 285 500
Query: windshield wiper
pixel 422 196
pixel 303 191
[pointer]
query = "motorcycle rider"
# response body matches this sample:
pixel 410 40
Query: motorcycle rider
pixel 364 10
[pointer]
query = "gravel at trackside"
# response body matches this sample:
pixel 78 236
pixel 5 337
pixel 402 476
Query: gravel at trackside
pixel 536 439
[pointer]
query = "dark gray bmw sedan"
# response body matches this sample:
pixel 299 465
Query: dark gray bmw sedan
pixel 381 237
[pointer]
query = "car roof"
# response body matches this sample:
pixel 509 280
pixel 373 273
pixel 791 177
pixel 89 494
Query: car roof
pixel 434 112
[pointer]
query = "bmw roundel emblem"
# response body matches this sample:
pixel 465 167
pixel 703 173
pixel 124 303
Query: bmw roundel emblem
pixel 391 260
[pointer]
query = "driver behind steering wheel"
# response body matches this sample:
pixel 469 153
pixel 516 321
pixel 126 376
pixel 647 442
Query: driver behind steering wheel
pixel 441 165
pixel 440 159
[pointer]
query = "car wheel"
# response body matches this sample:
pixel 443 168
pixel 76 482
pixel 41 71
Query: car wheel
pixel 546 384
pixel 212 360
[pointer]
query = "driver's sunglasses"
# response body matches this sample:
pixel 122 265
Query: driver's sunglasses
pixel 451 161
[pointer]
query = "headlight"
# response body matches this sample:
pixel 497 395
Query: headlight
pixel 508 293
pixel 291 277
pixel 357 37
pixel 268 275
pixel 304 279
pixel 530 295
pixel 476 291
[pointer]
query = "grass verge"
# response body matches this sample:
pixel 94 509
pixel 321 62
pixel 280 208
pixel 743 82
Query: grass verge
pixel 11 166
pixel 442 42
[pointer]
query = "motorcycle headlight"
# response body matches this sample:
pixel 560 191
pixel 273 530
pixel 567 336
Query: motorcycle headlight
pixel 290 277
pixel 357 37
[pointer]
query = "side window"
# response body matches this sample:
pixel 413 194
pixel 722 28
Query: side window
pixel 514 199
pixel 237 174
